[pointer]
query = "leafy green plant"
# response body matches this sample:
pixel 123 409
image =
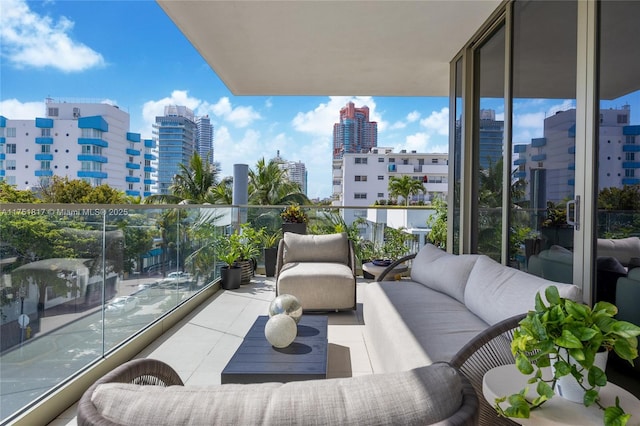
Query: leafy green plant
pixel 249 242
pixel 227 248
pixel 294 214
pixel 567 335
pixel 438 223
pixel 270 239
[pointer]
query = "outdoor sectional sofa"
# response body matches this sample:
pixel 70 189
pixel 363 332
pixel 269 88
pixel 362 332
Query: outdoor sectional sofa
pixel 448 300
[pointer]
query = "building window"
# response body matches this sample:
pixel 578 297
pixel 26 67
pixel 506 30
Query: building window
pixel 130 187
pixel 337 182
pixel 11 132
pixel 630 156
pixel 631 139
pixel 361 160
pixel 11 164
pixel 52 112
pixel 380 159
pixel 45 149
pixel 622 119
pixel 420 161
pixel 434 161
pixel 630 172
pixel 11 148
pixel 360 196
pixel 91 133
pixel 86 165
pixel 392 160
pixel 45 133
pixel 45 165
pixel 361 178
pixel 380 177
pixel 380 194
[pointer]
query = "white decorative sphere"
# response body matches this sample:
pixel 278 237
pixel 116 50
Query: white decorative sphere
pixel 286 304
pixel 280 330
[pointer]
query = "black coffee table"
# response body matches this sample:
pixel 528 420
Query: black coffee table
pixel 256 361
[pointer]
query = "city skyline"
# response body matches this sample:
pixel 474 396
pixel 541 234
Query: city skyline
pixel 70 51
pixel 130 54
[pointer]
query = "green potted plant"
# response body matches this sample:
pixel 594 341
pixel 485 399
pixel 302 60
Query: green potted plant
pixel 270 242
pixel 249 240
pixel 294 219
pixel 568 336
pixel 226 249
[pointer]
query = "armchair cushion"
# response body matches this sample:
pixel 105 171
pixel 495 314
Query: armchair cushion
pixel 316 248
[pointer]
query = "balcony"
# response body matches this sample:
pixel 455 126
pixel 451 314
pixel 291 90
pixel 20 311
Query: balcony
pixel 55 325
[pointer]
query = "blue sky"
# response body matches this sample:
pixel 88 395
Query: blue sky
pixel 129 53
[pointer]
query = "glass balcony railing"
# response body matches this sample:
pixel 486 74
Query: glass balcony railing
pixel 79 281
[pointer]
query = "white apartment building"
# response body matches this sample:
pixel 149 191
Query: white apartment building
pixel 87 141
pixel 296 171
pixel 362 179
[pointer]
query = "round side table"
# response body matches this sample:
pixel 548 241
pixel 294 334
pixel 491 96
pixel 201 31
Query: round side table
pixel 506 380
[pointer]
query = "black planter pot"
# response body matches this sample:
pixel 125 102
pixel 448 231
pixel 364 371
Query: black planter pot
pixel 296 228
pixel 270 259
pixel 230 277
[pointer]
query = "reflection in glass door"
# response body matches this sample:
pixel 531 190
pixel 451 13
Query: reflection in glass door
pixel 618 198
pixel 543 138
pixel 488 162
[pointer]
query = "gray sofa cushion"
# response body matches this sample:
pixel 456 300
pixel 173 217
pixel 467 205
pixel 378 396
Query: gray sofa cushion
pixel 422 396
pixel 316 248
pixel 622 249
pixel 318 285
pixel 408 325
pixel 442 271
pixel 495 292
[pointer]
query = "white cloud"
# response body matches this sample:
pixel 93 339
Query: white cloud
pixel 398 125
pixel 152 109
pixel 418 142
pixel 567 104
pixel 32 40
pixel 437 122
pixel 239 116
pixel 413 116
pixel 320 121
pixel 13 109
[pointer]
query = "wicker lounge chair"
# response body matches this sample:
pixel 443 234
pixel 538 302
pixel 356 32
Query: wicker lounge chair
pixel 487 350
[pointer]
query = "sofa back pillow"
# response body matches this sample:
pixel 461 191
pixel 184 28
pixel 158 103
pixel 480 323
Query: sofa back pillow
pixel 442 271
pixel 316 248
pixel 622 249
pixel 495 292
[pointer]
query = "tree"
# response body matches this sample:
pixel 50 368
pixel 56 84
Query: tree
pixel 77 191
pixel 222 192
pixel 9 194
pixel 438 223
pixel 192 185
pixel 269 185
pixel 405 187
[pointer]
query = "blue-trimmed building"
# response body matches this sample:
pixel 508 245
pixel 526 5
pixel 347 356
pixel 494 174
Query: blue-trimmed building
pixel 548 163
pixel 88 141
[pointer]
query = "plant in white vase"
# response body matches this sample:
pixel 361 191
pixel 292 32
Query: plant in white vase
pixel 567 336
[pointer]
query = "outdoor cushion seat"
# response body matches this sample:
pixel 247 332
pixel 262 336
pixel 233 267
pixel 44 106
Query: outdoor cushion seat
pixel 436 394
pixel 317 269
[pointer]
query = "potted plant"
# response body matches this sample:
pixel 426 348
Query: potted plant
pixel 249 240
pixel 568 336
pixel 226 248
pixel 294 219
pixel 270 250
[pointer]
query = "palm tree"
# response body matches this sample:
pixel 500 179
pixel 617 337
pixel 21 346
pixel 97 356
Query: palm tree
pixel 269 185
pixel 192 185
pixel 222 192
pixel 405 187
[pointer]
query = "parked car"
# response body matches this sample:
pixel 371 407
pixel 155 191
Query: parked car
pixel 121 305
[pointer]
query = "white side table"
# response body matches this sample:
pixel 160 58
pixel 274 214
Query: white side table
pixel 506 380
pixel 376 270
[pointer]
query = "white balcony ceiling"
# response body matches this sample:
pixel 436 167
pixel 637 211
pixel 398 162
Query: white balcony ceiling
pixel 382 48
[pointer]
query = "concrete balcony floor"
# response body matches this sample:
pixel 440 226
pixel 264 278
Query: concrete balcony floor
pixel 200 345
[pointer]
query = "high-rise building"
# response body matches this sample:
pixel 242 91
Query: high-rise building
pixel 175 134
pixel 296 171
pixel 87 141
pixel 491 139
pixel 547 164
pixel 204 138
pixel 354 133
